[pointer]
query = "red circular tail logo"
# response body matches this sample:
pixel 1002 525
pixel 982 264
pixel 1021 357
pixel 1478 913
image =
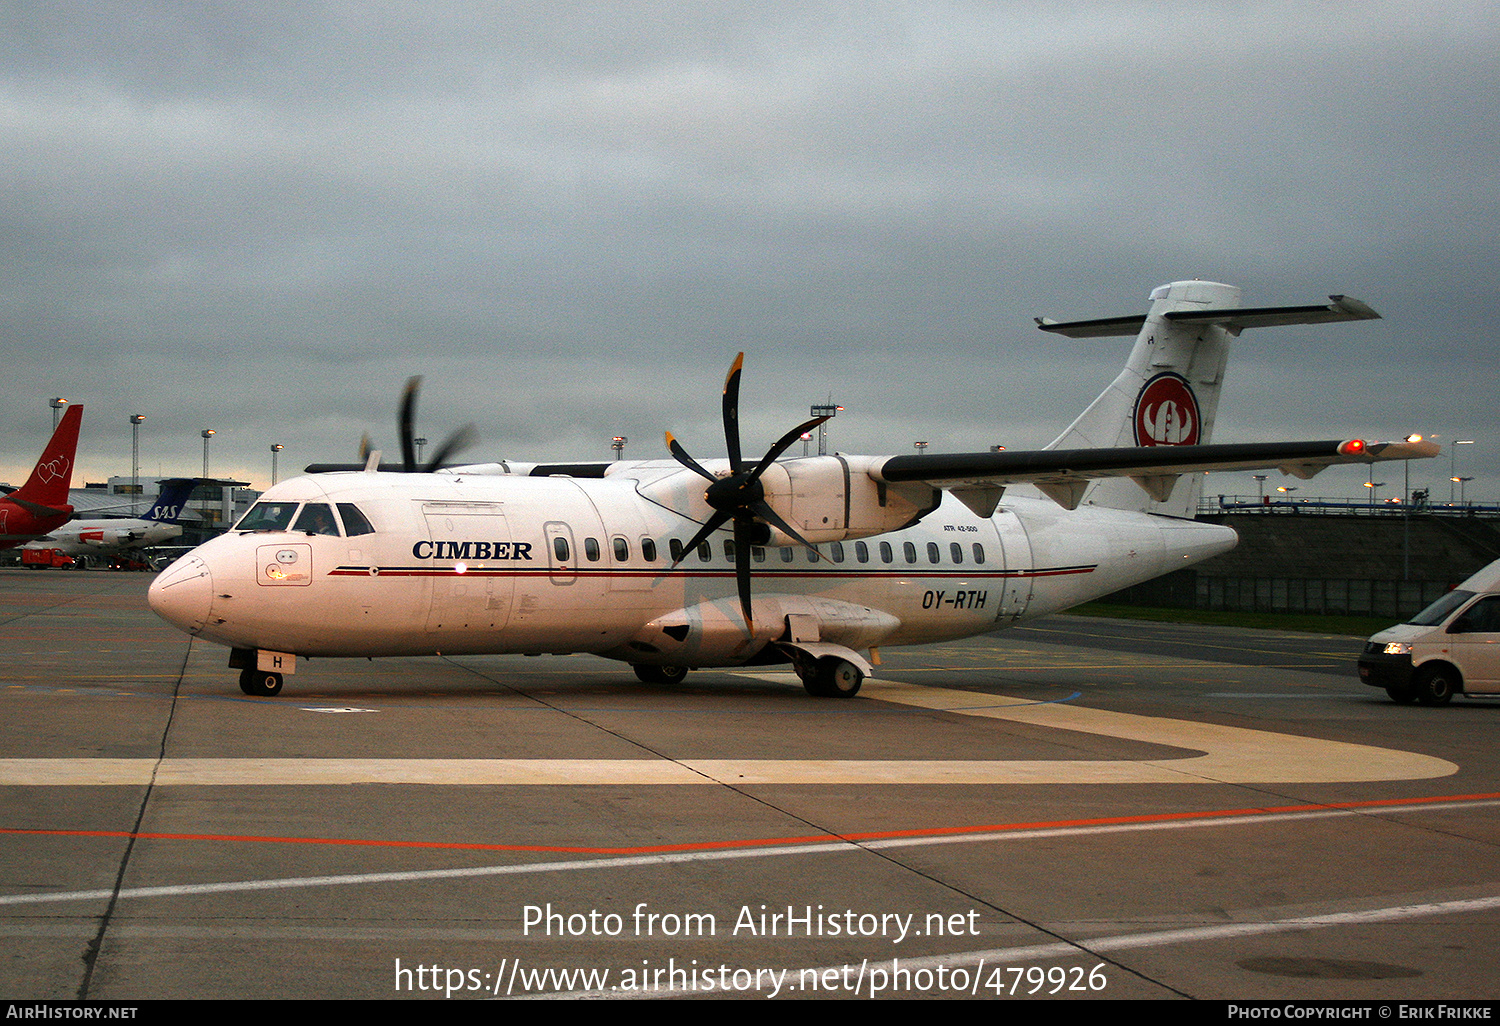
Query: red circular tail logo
pixel 1166 412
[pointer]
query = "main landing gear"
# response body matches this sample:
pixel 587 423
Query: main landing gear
pixel 830 677
pixel 260 683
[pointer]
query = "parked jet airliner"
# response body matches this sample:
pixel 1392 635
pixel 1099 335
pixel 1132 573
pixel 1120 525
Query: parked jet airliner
pixel 675 564
pixel 106 535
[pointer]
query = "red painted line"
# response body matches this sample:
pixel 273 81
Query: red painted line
pixel 763 574
pixel 759 842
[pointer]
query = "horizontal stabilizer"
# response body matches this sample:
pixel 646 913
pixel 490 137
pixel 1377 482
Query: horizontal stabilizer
pixel 1235 319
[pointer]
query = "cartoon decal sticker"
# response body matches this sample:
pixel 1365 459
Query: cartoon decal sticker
pixel 1166 412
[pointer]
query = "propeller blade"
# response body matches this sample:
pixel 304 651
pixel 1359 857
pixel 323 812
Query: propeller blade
pixel 732 412
pixel 785 442
pixel 681 456
pixel 714 523
pixel 743 525
pixel 456 442
pixel 408 426
pixel 763 510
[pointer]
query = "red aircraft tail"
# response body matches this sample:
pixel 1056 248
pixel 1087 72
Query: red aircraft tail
pixel 49 480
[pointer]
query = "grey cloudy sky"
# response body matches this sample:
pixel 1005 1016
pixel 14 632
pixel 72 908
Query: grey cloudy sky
pixel 263 217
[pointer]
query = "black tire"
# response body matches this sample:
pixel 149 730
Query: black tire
pixel 833 677
pixel 1437 685
pixel 260 683
pixel 660 674
pixel 1402 696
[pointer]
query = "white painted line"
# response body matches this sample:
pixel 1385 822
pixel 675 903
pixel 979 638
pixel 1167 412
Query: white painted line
pixel 832 847
pixel 1084 948
pixel 1225 755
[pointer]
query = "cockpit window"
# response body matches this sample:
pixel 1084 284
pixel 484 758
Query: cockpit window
pixel 354 521
pixel 317 518
pixel 267 516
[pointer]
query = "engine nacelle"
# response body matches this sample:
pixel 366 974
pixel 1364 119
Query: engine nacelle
pixel 833 498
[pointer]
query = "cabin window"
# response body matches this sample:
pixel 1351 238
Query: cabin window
pixel 704 552
pixel 317 518
pixel 758 553
pixel 932 552
pixel 622 549
pixel 729 550
pixel 354 521
pixel 591 549
pixel 813 555
pixel 909 551
pixel 862 552
pixel 675 547
pixel 648 550
pixel 838 551
pixel 886 555
pixel 267 516
pixel 957 551
pixel 786 553
pixel 978 553
pixel 560 548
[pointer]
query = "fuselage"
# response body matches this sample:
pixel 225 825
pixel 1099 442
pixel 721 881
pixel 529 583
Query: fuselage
pixel 451 563
pixel 19 525
pixel 106 535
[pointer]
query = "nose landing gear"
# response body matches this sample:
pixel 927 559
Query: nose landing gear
pixel 260 683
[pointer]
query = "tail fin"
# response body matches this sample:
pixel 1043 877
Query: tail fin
pixel 171 499
pixel 49 480
pixel 1168 393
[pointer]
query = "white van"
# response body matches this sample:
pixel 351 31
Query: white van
pixel 1451 646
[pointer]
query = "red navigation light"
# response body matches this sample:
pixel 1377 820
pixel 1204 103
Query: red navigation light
pixel 1353 447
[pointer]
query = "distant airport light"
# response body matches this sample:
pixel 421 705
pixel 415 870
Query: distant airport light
pixel 207 433
pixel 274 450
pixel 617 443
pixel 57 407
pixel 827 410
pixel 921 447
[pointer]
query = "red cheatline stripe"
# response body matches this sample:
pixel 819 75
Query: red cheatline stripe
pixel 759 842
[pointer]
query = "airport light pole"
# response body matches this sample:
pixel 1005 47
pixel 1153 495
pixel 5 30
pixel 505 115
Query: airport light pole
pixel 207 433
pixel 617 443
pixel 274 450
pixel 1372 485
pixel 1452 462
pixel 135 458
pixel 830 411
pixel 921 447
pixel 420 443
pixel 57 408
pixel 1461 482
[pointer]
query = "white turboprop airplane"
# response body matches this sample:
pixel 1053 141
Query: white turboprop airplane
pixel 810 561
pixel 107 535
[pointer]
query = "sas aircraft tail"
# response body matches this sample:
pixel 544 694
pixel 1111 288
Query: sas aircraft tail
pixel 1168 392
pixel 171 499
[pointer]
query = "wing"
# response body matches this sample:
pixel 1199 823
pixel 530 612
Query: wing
pixel 1062 474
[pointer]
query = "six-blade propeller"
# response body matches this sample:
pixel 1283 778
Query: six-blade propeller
pixel 740 497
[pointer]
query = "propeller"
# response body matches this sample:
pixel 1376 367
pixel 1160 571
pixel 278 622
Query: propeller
pixel 740 498
pixel 455 443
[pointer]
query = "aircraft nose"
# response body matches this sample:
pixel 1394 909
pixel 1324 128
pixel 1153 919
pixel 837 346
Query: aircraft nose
pixel 183 594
